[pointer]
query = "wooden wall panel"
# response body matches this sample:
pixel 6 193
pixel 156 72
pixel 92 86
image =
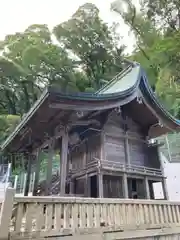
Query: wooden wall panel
pixel 142 155
pixel 114 144
pixel 93 148
pixel 153 157
pixel 80 186
pixel 113 187
pixel 114 141
pixel 134 130
pixel 78 156
pixel 114 148
pixel 138 153
pixel 114 125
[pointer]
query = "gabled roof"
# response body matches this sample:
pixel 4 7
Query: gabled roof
pixel 134 79
pixel 123 89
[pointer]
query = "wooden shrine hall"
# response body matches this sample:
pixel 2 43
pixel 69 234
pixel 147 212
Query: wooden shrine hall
pixel 104 139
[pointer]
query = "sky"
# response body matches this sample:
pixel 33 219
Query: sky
pixel 17 15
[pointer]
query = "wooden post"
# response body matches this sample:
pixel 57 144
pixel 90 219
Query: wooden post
pixel 21 182
pixel 63 162
pixel 164 187
pixel 147 191
pixel 36 179
pixel 128 161
pixel 87 186
pixel 24 183
pixel 127 152
pixel 49 167
pixel 100 185
pixel 125 185
pixel 6 213
pixel 28 176
pixel 33 179
pixel 71 187
pixel 103 150
pixel 100 180
pixel 15 182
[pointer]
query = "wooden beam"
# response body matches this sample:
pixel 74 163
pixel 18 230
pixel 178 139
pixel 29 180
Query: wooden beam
pixel 49 166
pixel 85 123
pixel 36 180
pixel 63 161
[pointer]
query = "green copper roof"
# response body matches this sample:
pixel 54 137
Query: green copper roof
pixel 123 81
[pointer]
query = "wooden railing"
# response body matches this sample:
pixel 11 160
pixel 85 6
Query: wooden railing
pixel 56 216
pixel 117 166
pixel 144 170
pixel 45 217
pixel 89 166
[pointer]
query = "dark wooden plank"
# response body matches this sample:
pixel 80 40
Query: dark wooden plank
pixel 29 166
pixel 64 158
pixel 49 166
pixel 36 180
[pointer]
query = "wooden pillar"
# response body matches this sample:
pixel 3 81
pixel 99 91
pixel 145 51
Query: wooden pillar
pixel 127 157
pixel 87 186
pixel 147 191
pixel 100 185
pixel 127 151
pixel 125 185
pixel 63 161
pixel 164 187
pixel 24 178
pixel 28 176
pixel 49 167
pixel 36 180
pixel 71 187
pixel 102 146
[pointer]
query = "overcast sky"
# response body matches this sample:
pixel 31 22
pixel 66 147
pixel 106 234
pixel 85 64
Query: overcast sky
pixel 17 15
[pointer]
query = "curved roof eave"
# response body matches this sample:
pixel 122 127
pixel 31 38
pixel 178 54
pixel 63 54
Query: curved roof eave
pixel 120 91
pixel 156 107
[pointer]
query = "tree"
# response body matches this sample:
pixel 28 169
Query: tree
pixel 92 45
pixel 7 124
pixel 86 56
pixel 146 36
pixel 157 50
pixel 164 13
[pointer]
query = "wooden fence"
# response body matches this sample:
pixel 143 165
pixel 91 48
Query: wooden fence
pixel 38 217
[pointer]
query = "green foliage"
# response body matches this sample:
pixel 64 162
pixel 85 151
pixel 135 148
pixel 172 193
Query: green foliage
pixel 157 45
pixel 7 124
pixel 83 55
pixel 92 44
